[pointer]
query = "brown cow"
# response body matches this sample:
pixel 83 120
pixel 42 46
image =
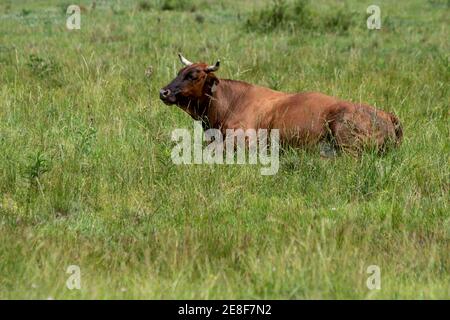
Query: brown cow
pixel 302 118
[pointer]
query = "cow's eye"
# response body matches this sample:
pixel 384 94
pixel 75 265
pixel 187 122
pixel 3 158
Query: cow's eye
pixel 191 76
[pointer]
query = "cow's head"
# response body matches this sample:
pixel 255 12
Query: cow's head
pixel 194 82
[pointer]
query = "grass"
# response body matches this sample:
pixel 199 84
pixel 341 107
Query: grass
pixel 86 177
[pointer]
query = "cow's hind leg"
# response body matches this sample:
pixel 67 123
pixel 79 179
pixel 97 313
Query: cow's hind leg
pixel 327 149
pixel 354 128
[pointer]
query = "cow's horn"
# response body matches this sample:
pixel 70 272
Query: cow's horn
pixel 183 60
pixel 214 67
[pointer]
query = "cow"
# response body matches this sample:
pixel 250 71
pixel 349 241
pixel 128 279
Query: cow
pixel 303 119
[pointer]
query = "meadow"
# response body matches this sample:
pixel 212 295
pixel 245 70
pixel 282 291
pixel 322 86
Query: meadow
pixel 86 177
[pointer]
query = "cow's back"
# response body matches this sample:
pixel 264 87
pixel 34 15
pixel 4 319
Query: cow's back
pixel 301 117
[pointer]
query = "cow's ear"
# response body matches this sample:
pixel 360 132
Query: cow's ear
pixel 211 82
pixel 211 79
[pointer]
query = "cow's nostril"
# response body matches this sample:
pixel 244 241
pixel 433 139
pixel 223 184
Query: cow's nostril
pixel 164 93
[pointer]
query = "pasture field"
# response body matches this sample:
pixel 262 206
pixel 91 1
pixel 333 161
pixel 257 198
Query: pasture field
pixel 86 176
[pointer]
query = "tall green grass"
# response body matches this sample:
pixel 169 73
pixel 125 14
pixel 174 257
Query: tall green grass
pixel 86 177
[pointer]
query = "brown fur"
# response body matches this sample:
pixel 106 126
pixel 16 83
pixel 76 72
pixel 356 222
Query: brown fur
pixel 302 118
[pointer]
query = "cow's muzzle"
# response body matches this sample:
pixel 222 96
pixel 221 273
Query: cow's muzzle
pixel 167 96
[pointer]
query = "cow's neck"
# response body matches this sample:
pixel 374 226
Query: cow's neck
pixel 219 104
